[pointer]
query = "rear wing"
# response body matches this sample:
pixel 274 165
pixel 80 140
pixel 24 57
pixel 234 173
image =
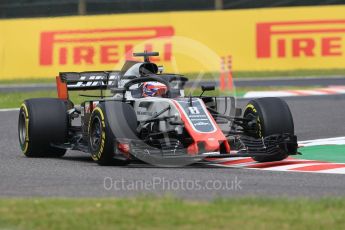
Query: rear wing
pixel 92 80
pixel 102 80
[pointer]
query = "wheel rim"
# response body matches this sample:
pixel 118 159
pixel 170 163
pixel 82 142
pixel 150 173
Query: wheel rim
pixel 22 128
pixel 96 133
pixel 253 116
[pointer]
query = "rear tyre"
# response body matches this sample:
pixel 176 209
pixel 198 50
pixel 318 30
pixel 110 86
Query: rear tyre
pixel 42 122
pixel 106 124
pixel 272 116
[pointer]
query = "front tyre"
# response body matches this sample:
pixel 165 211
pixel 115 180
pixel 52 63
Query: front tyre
pixel 102 139
pixel 272 116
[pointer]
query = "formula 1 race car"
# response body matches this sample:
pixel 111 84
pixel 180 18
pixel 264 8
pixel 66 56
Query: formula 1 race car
pixel 143 114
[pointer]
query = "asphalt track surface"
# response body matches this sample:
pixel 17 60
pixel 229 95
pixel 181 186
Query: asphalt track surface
pixel 75 175
pixel 245 82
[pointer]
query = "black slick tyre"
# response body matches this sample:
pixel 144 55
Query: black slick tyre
pixel 42 123
pixel 105 126
pixel 272 117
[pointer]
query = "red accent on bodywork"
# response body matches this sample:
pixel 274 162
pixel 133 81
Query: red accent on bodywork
pixel 91 106
pixel 211 141
pixel 61 89
pixel 124 147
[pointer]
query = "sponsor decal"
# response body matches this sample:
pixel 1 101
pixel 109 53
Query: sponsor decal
pixel 201 123
pixel 144 113
pixel 194 110
pixel 90 79
pixel 324 38
pixel 197 115
pixel 88 82
pixel 101 46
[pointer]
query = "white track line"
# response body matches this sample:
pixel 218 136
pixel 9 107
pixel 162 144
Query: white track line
pixel 291 167
pixel 7 110
pixel 296 93
pixel 335 171
pixel 324 141
pixel 288 167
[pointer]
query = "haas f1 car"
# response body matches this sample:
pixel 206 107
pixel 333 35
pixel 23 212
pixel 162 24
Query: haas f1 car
pixel 142 113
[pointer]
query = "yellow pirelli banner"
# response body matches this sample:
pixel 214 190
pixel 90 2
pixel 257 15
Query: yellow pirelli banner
pixel 257 40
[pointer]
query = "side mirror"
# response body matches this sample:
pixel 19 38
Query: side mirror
pixel 207 88
pixel 118 90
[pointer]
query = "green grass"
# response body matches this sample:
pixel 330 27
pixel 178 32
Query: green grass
pixel 14 99
pixel 272 74
pixel 170 213
pixel 43 80
pixel 236 74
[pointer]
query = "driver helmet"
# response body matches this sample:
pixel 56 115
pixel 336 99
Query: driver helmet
pixel 154 89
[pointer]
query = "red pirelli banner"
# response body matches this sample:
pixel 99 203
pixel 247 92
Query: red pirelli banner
pixel 84 45
pixel 297 39
pixel 257 40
